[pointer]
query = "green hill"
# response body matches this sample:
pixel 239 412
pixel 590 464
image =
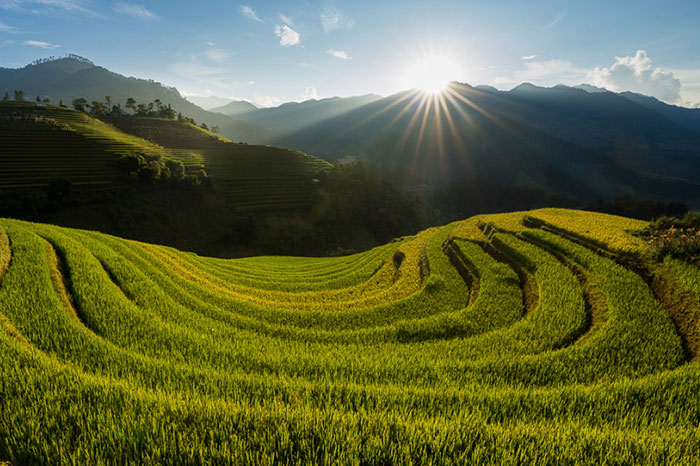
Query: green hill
pixel 537 337
pixel 254 177
pixel 44 143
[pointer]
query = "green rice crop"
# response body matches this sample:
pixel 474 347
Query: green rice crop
pixel 422 351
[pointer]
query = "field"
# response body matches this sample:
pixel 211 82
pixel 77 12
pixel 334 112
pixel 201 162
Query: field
pixel 42 144
pixel 479 342
pixel 253 177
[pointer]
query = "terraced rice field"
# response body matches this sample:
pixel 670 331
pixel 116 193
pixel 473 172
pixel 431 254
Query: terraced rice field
pixel 73 146
pixel 253 177
pixel 262 177
pixel 517 341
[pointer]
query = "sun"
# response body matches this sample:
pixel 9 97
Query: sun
pixel 432 72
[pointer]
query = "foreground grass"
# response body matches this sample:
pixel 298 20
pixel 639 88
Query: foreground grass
pixel 429 350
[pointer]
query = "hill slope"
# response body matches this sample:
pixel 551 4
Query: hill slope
pixel 254 177
pixel 470 343
pixel 41 144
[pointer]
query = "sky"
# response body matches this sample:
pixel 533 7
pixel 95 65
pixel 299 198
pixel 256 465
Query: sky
pixel 276 51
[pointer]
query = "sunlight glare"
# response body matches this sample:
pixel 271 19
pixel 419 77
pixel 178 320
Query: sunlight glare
pixel 432 73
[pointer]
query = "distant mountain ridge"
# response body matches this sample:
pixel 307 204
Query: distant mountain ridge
pixel 295 116
pixel 235 108
pixel 568 141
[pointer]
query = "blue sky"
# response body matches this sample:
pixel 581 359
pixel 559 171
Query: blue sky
pixel 275 51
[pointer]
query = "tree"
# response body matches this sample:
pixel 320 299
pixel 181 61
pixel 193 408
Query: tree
pixel 141 110
pixel 131 104
pixel 167 112
pixel 80 104
pixel 19 95
pixel 177 169
pixel 38 98
pixel 159 104
pixel 6 97
pixel 204 126
pixel 117 111
pixel 99 109
pixel 46 100
pixel 108 99
pixel 215 129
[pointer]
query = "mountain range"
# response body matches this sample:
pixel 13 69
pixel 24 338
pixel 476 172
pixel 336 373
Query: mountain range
pixel 583 143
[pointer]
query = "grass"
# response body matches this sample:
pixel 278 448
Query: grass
pixel 41 144
pixel 253 177
pixel 120 352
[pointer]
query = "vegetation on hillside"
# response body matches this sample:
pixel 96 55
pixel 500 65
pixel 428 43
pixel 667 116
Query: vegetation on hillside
pixel 521 337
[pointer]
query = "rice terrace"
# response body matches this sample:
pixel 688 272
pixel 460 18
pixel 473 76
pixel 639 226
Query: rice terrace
pixel 231 272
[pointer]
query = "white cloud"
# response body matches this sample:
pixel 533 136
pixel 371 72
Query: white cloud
pixel 250 13
pixel 136 11
pixel 637 74
pixel 690 92
pixel 7 29
pixel 529 57
pixel 342 54
pixel 211 44
pixel 250 83
pixel 556 20
pixel 47 7
pixel 309 93
pixel 333 19
pixel 216 55
pixel 287 35
pixel 266 100
pixel 40 44
pixel 287 20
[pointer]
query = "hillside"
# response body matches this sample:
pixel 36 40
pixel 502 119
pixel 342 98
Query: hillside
pixel 44 143
pixel 253 177
pixel 74 77
pixel 537 337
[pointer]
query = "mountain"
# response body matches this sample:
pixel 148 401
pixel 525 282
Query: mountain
pixel 295 116
pixel 688 117
pixel 565 140
pixel 208 102
pixel 64 79
pixel 235 108
pixel 590 88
